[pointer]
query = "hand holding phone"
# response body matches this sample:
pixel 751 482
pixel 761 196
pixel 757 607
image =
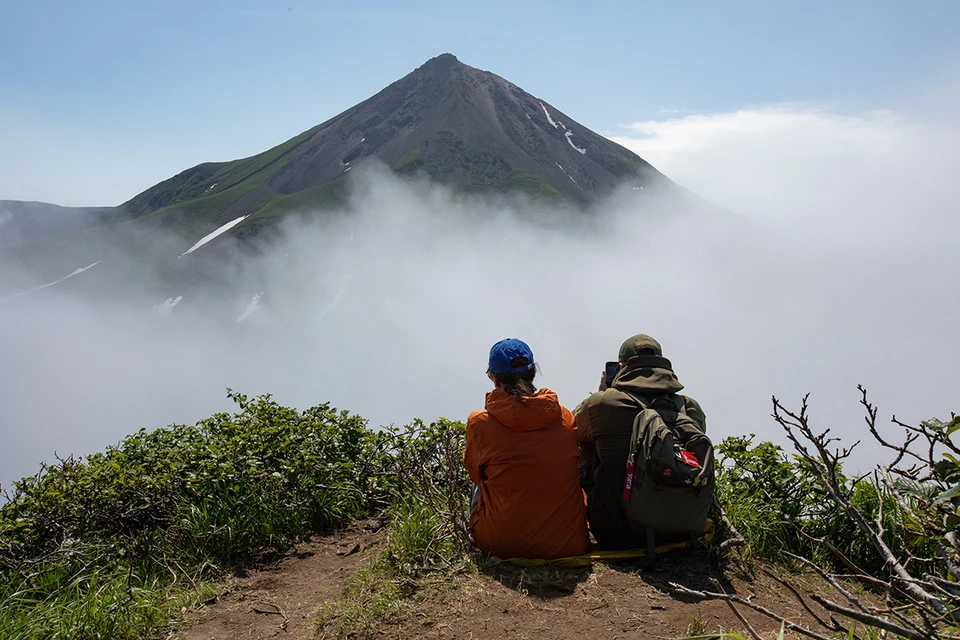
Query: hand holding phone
pixel 610 372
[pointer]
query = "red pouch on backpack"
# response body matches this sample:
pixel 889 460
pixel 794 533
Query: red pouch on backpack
pixel 689 459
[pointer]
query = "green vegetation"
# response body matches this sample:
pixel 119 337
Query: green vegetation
pixel 395 575
pixel 112 546
pixel 410 162
pixel 776 502
pixel 116 545
pixel 529 183
pixel 427 539
pixel 119 544
pixel 468 171
pixel 324 197
pixel 210 179
pixel 891 532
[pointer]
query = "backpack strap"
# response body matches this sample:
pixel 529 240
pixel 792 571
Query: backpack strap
pixel 646 402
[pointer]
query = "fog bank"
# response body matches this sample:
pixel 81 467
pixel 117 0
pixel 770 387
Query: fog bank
pixel 388 311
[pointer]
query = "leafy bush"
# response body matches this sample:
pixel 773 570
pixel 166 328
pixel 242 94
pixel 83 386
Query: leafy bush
pixel 427 532
pixel 430 474
pixel 93 548
pixel 778 505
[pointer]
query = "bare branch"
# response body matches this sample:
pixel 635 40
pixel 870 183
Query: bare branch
pixel 870 619
pixel 709 595
pixel 753 633
pixel 830 579
pixel 796 594
pixel 825 468
pixel 736 539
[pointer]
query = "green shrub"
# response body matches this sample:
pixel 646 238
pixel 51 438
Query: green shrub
pixel 396 573
pixel 427 530
pixel 771 497
pixel 98 547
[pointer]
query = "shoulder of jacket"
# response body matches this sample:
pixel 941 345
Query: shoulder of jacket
pixel 480 415
pixel 690 402
pixel 591 400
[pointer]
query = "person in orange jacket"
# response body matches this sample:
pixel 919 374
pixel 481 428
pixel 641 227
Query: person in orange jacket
pixel 522 451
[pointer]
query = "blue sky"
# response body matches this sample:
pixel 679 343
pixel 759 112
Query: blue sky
pixel 112 97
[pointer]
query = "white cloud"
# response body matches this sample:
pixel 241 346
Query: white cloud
pixel 390 311
pixel 817 175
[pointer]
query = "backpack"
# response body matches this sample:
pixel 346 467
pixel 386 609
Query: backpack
pixel 668 484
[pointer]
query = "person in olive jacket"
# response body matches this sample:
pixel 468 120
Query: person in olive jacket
pixel 604 424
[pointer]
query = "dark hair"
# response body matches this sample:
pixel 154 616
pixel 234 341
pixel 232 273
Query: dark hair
pixel 517 384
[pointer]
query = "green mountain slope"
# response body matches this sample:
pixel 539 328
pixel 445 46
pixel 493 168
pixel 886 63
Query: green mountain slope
pixel 455 124
pixel 445 121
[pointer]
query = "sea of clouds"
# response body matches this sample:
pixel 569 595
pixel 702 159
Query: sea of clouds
pixel 838 267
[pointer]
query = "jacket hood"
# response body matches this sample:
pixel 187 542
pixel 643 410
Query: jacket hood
pixel 648 373
pixel 527 413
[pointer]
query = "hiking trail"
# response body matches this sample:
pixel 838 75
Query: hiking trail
pixel 282 598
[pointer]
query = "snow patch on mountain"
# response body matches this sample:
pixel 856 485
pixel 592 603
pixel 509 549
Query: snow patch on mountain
pixel 50 284
pixel 253 306
pixel 210 236
pixel 547 113
pixel 165 308
pixel 567 174
pixel 569 134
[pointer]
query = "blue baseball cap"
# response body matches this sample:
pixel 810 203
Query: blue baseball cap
pixel 510 355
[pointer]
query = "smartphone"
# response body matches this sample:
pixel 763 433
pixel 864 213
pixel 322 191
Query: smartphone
pixel 611 371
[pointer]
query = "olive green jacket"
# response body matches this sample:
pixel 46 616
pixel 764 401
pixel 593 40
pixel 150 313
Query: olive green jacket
pixel 604 422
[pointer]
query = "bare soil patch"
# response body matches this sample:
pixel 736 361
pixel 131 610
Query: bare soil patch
pixel 280 599
pixel 624 600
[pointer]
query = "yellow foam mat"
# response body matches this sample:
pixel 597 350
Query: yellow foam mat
pixel 626 554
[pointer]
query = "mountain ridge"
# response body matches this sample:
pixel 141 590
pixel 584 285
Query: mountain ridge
pixel 452 124
pixel 26 221
pixel 456 124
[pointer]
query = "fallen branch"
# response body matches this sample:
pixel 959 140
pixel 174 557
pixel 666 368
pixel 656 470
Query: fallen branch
pixel 796 594
pixel 736 612
pixel 872 620
pixel 709 595
pixel 278 611
pixel 737 540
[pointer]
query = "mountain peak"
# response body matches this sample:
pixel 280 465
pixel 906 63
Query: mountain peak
pixel 442 61
pixel 455 124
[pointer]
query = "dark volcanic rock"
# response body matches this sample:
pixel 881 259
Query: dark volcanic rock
pixel 461 126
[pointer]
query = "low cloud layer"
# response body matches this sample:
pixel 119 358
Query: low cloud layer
pixel 816 176
pixel 389 312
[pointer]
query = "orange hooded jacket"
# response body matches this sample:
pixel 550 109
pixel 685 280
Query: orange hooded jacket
pixel 523 453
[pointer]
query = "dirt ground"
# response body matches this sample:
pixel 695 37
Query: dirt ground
pixel 624 600
pixel 281 599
